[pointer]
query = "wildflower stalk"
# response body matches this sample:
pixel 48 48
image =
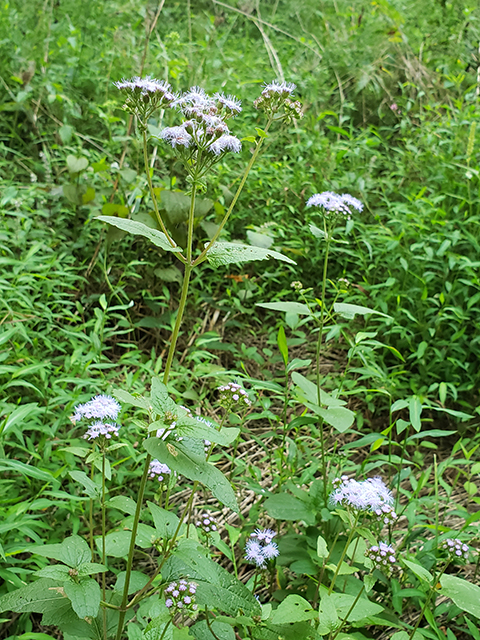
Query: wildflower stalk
pixel 210 244
pixel 104 554
pixel 318 351
pixel 428 599
pixel 344 553
pixel 153 197
pixel 344 620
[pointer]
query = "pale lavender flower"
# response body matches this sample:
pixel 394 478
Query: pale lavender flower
pixel 231 104
pixel 281 88
pixel 146 86
pixel 456 548
pixel 368 495
pixel 176 136
pixel 99 429
pixel 335 203
pixel 100 407
pixel 264 535
pixel 226 143
pixel 260 548
pixel 159 470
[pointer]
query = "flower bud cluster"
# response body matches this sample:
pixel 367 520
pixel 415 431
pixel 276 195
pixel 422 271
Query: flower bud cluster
pixel 181 597
pixel 158 470
pixel 383 557
pixel 456 548
pixel 276 96
pixel 144 96
pixel 296 285
pixel 206 523
pixel 232 395
pixel 98 410
pixel 261 548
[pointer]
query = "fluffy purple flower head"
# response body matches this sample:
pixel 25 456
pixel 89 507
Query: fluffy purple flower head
pixel 260 548
pixel 284 89
pixel 335 203
pixel 368 495
pixel 231 104
pixel 178 599
pixel 226 143
pixel 176 136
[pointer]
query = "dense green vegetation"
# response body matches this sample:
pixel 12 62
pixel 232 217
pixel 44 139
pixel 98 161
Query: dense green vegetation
pixel 391 99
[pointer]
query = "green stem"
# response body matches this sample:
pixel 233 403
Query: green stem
pixel 92 548
pixel 210 244
pixel 128 571
pixel 154 199
pixel 344 553
pixel 427 601
pixel 165 629
pixel 178 322
pixel 317 357
pixel 344 620
pixel 104 554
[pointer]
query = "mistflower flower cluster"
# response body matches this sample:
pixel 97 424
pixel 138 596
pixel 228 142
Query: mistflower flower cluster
pixel 232 395
pixel 181 597
pixel 144 96
pixel 206 523
pixel 276 96
pixel 334 203
pixel 204 136
pixel 158 470
pixel 99 409
pixel 368 495
pixel 260 548
pixel 296 285
pixel 456 548
pixel 383 557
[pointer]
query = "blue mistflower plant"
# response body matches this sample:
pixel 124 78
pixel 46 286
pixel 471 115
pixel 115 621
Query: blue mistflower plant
pixel 260 548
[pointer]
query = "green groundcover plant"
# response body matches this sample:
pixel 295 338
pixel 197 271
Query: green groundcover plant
pixel 329 557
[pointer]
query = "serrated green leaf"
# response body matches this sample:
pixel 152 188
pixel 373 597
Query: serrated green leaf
pixel 223 253
pixel 308 391
pixel 75 165
pixel 166 522
pixel 39 596
pixel 91 568
pixel 91 488
pixel 158 238
pixel 293 609
pixel 419 571
pixel 55 572
pixel 73 551
pixel 222 631
pixel 122 503
pixel 179 458
pixel 284 506
pixel 84 596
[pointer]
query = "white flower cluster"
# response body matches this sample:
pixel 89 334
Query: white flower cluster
pixel 335 203
pixel 367 495
pixel 98 409
pixel 205 129
pixel 261 548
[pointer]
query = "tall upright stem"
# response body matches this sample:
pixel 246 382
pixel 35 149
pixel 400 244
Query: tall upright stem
pixel 104 553
pixel 318 350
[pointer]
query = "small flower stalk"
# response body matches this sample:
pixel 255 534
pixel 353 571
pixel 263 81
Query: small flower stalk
pixel 260 548
pixel 180 597
pixel 101 411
